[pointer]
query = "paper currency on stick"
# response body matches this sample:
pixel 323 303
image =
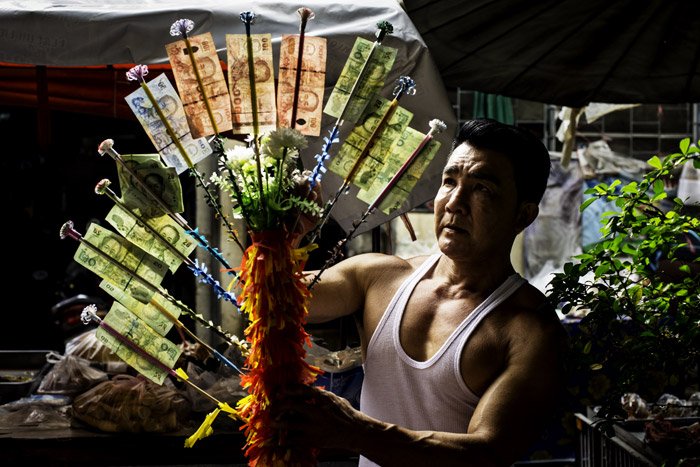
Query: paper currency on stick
pixel 153 237
pixel 239 82
pixel 311 87
pixel 136 330
pixel 378 67
pixel 163 182
pixel 402 148
pixel 123 252
pixel 172 109
pixel 215 90
pixel 154 317
pixel 359 138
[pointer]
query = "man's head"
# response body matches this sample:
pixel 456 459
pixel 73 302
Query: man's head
pixel 491 185
pixel 529 157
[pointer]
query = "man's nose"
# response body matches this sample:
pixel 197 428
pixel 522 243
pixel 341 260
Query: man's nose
pixel 456 202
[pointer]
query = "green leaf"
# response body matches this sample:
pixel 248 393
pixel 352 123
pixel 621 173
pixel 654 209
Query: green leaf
pixel 658 187
pixel 655 162
pixel 586 203
pixel 630 188
pixel 684 144
pixel 587 347
pixel 602 269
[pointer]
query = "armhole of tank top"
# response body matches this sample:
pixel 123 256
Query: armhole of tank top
pixel 518 281
pixel 397 295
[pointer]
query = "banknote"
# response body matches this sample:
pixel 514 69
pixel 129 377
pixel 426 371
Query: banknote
pixel 360 141
pixel 171 107
pixel 153 236
pixel 239 82
pixel 402 149
pixel 122 252
pixel 311 86
pixel 372 81
pixel 142 335
pixel 148 312
pixel 162 181
pixel 214 88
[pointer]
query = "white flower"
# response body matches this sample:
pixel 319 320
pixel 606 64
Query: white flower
pixel 238 156
pixel 280 138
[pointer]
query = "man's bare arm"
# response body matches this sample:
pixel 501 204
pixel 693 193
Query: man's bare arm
pixel 342 287
pixel 508 418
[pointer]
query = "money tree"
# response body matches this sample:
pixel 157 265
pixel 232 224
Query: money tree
pixel 639 291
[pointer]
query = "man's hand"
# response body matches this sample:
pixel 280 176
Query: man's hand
pixel 311 416
pixel 301 223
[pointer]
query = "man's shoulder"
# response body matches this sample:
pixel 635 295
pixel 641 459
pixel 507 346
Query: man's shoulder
pixel 385 267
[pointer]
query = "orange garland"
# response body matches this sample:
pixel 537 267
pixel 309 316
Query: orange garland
pixel 275 300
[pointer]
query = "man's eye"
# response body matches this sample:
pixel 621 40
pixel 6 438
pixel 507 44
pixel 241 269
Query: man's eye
pixel 448 181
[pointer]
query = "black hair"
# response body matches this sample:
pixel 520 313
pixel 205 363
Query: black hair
pixel 528 155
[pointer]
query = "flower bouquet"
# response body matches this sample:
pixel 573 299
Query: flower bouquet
pixel 269 192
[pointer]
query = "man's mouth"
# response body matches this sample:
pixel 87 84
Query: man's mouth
pixel 454 228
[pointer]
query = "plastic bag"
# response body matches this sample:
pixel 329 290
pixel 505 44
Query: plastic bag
pixel 70 375
pixel 132 404
pixel 43 412
pixel 86 345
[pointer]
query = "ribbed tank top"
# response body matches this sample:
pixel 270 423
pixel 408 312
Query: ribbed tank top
pixel 422 395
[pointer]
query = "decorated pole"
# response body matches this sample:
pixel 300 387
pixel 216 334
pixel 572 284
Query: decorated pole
pixel 68 231
pixel 155 368
pixel 107 147
pixel 138 73
pixel 305 14
pixel 436 126
pixel 405 85
pixel 383 28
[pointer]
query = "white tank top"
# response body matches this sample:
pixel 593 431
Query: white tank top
pixel 422 395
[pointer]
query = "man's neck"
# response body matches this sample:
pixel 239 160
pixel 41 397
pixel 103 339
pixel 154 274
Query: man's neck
pixel 472 277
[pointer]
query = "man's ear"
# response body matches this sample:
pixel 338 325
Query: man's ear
pixel 527 213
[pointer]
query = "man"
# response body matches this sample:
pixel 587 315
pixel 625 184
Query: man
pixel 462 356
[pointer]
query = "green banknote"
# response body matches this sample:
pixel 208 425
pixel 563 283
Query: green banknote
pixel 402 149
pixel 167 232
pixel 130 327
pixel 120 251
pixel 359 139
pixel 149 312
pixel 162 181
pixel 372 81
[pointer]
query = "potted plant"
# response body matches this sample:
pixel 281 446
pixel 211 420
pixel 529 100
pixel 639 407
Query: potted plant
pixel 639 293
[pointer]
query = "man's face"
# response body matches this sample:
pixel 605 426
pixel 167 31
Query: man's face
pixel 476 210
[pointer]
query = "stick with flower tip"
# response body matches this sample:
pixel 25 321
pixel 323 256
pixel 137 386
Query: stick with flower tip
pixel 383 28
pixel 248 17
pixel 436 126
pixel 305 15
pixel 138 73
pixel 89 314
pixel 102 188
pixel 68 231
pixel 180 28
pixel 107 147
pixel 405 85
